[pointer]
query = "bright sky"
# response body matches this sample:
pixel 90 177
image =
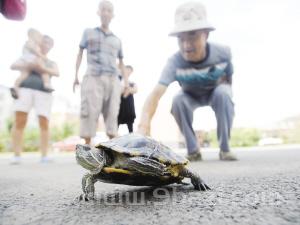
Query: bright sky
pixel 263 35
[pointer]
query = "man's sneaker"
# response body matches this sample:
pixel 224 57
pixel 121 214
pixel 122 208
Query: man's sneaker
pixel 16 160
pixel 194 157
pixel 227 156
pixel 46 159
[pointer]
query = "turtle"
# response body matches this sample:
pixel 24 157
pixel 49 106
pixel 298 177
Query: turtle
pixel 133 159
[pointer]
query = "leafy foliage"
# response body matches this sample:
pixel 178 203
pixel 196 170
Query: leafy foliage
pixel 31 139
pixel 240 137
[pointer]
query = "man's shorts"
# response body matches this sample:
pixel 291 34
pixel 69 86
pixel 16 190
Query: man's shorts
pixel 30 98
pixel 99 94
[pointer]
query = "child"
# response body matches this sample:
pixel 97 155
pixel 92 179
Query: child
pixel 127 108
pixel 31 53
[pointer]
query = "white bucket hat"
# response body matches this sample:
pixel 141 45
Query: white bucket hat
pixel 190 16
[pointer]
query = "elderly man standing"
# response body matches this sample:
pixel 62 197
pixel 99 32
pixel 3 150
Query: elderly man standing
pixel 101 87
pixel 204 72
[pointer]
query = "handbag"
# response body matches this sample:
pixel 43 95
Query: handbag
pixel 13 9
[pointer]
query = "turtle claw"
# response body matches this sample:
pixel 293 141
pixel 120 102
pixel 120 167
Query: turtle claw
pixel 89 196
pixel 78 199
pixel 200 185
pixel 204 187
pixel 81 197
pixel 85 197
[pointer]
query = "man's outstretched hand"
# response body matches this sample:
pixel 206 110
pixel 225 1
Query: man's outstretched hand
pixel 144 129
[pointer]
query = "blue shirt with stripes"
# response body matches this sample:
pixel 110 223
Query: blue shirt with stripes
pixel 102 51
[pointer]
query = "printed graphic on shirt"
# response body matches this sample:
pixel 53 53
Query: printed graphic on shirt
pixel 201 76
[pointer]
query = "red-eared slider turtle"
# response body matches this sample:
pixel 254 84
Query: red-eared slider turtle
pixel 133 160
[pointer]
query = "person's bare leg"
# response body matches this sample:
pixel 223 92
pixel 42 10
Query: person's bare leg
pixel 111 136
pixel 87 140
pixel 44 136
pixel 17 132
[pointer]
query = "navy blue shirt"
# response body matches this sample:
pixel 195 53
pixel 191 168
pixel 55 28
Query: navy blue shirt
pixel 34 80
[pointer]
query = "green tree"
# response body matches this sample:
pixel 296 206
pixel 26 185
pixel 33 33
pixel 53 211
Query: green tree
pixel 240 137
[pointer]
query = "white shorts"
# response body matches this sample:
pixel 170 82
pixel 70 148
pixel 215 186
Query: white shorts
pixel 30 98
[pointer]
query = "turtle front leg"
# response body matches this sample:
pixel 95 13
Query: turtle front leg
pixel 88 187
pixel 197 182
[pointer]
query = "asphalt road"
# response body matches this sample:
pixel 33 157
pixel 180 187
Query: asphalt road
pixel 263 187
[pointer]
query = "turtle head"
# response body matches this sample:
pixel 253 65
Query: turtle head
pixel 90 158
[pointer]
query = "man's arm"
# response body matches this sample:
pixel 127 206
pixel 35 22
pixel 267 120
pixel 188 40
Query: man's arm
pixel 126 90
pixel 78 63
pixel 149 108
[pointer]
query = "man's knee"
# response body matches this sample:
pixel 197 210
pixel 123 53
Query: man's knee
pixel 177 103
pixel 222 100
pixel 223 91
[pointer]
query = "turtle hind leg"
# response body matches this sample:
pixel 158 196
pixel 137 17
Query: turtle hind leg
pixel 196 180
pixel 88 187
pixel 146 166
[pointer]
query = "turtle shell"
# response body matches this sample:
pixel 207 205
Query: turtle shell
pixel 139 145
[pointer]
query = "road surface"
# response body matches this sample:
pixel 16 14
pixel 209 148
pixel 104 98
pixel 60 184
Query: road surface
pixel 263 187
